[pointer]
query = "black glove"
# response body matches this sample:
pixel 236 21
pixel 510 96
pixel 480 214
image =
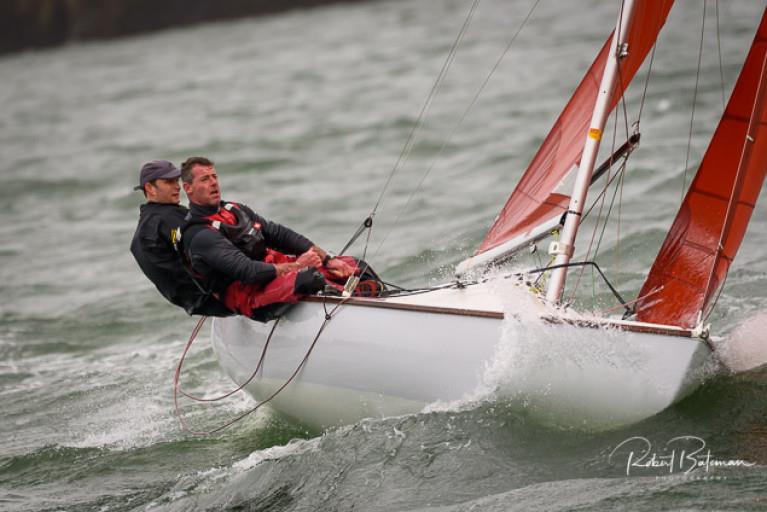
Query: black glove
pixel 309 281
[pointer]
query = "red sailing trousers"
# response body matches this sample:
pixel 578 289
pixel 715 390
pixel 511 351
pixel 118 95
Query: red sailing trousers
pixel 244 298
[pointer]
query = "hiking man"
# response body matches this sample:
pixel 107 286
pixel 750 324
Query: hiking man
pixel 247 261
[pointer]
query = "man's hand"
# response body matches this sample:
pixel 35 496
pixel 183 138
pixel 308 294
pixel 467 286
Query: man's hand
pixel 339 268
pixel 309 259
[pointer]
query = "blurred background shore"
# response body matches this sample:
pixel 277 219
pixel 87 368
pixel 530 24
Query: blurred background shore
pixel 27 24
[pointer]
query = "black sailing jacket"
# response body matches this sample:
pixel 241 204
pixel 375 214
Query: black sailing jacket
pixel 220 262
pixel 153 250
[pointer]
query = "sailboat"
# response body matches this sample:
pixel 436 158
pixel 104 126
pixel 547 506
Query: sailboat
pixel 336 360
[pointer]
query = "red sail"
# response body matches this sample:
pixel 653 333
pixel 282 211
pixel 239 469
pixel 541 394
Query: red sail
pixel 535 200
pixel 707 232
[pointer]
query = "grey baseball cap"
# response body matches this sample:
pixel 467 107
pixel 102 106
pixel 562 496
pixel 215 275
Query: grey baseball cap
pixel 156 169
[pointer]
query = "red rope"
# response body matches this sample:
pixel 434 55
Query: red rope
pixel 177 388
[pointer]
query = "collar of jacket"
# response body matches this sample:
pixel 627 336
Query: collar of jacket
pixel 204 211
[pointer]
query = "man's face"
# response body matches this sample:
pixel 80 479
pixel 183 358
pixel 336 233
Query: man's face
pixel 163 190
pixel 203 189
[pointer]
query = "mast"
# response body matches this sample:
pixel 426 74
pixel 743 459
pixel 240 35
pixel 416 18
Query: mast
pixel 564 248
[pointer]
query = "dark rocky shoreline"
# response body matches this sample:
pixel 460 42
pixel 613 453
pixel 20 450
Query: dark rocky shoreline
pixel 28 24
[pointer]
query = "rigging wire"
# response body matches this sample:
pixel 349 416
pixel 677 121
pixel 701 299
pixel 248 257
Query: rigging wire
pixel 646 85
pixel 409 143
pixel 619 186
pixel 367 224
pixel 609 210
pixel 601 200
pixel 604 189
pixel 694 101
pixel 460 121
pixel 621 174
pixel 616 37
pixel 719 50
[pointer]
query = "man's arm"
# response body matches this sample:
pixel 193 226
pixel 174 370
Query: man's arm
pixel 217 252
pixel 288 241
pixel 280 237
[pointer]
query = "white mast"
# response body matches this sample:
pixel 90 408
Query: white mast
pixel 563 250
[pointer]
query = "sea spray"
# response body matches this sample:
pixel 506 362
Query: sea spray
pixel 746 347
pixel 570 376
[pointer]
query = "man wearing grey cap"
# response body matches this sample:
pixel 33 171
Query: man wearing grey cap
pixel 152 245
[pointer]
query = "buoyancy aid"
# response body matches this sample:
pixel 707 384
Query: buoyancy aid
pixel 235 225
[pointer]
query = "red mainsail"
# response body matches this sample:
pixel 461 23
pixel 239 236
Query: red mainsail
pixel 707 232
pixel 534 199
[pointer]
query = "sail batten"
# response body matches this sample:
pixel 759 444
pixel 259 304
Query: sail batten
pixel 537 196
pixel 707 232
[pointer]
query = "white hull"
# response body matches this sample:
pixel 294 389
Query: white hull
pixel 456 345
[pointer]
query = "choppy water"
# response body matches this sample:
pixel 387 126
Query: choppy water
pixel 305 114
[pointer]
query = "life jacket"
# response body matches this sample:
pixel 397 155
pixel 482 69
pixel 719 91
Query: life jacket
pixel 235 225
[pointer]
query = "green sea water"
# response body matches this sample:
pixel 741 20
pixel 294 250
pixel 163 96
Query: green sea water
pixel 305 114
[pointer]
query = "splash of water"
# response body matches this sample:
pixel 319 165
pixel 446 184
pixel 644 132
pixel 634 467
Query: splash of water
pixel 746 347
pixel 592 378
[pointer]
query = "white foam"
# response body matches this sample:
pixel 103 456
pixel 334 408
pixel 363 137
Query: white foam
pixel 520 314
pixel 746 347
pixel 294 447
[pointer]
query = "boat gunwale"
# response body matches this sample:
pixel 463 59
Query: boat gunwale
pixel 592 323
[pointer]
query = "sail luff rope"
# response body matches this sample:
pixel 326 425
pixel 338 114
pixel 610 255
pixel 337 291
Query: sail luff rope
pixel 721 74
pixel 694 101
pixel 460 121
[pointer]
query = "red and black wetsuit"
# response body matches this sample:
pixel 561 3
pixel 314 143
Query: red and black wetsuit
pixel 153 250
pixel 245 278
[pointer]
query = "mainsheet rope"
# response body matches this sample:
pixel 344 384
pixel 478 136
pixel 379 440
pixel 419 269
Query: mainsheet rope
pixel 178 390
